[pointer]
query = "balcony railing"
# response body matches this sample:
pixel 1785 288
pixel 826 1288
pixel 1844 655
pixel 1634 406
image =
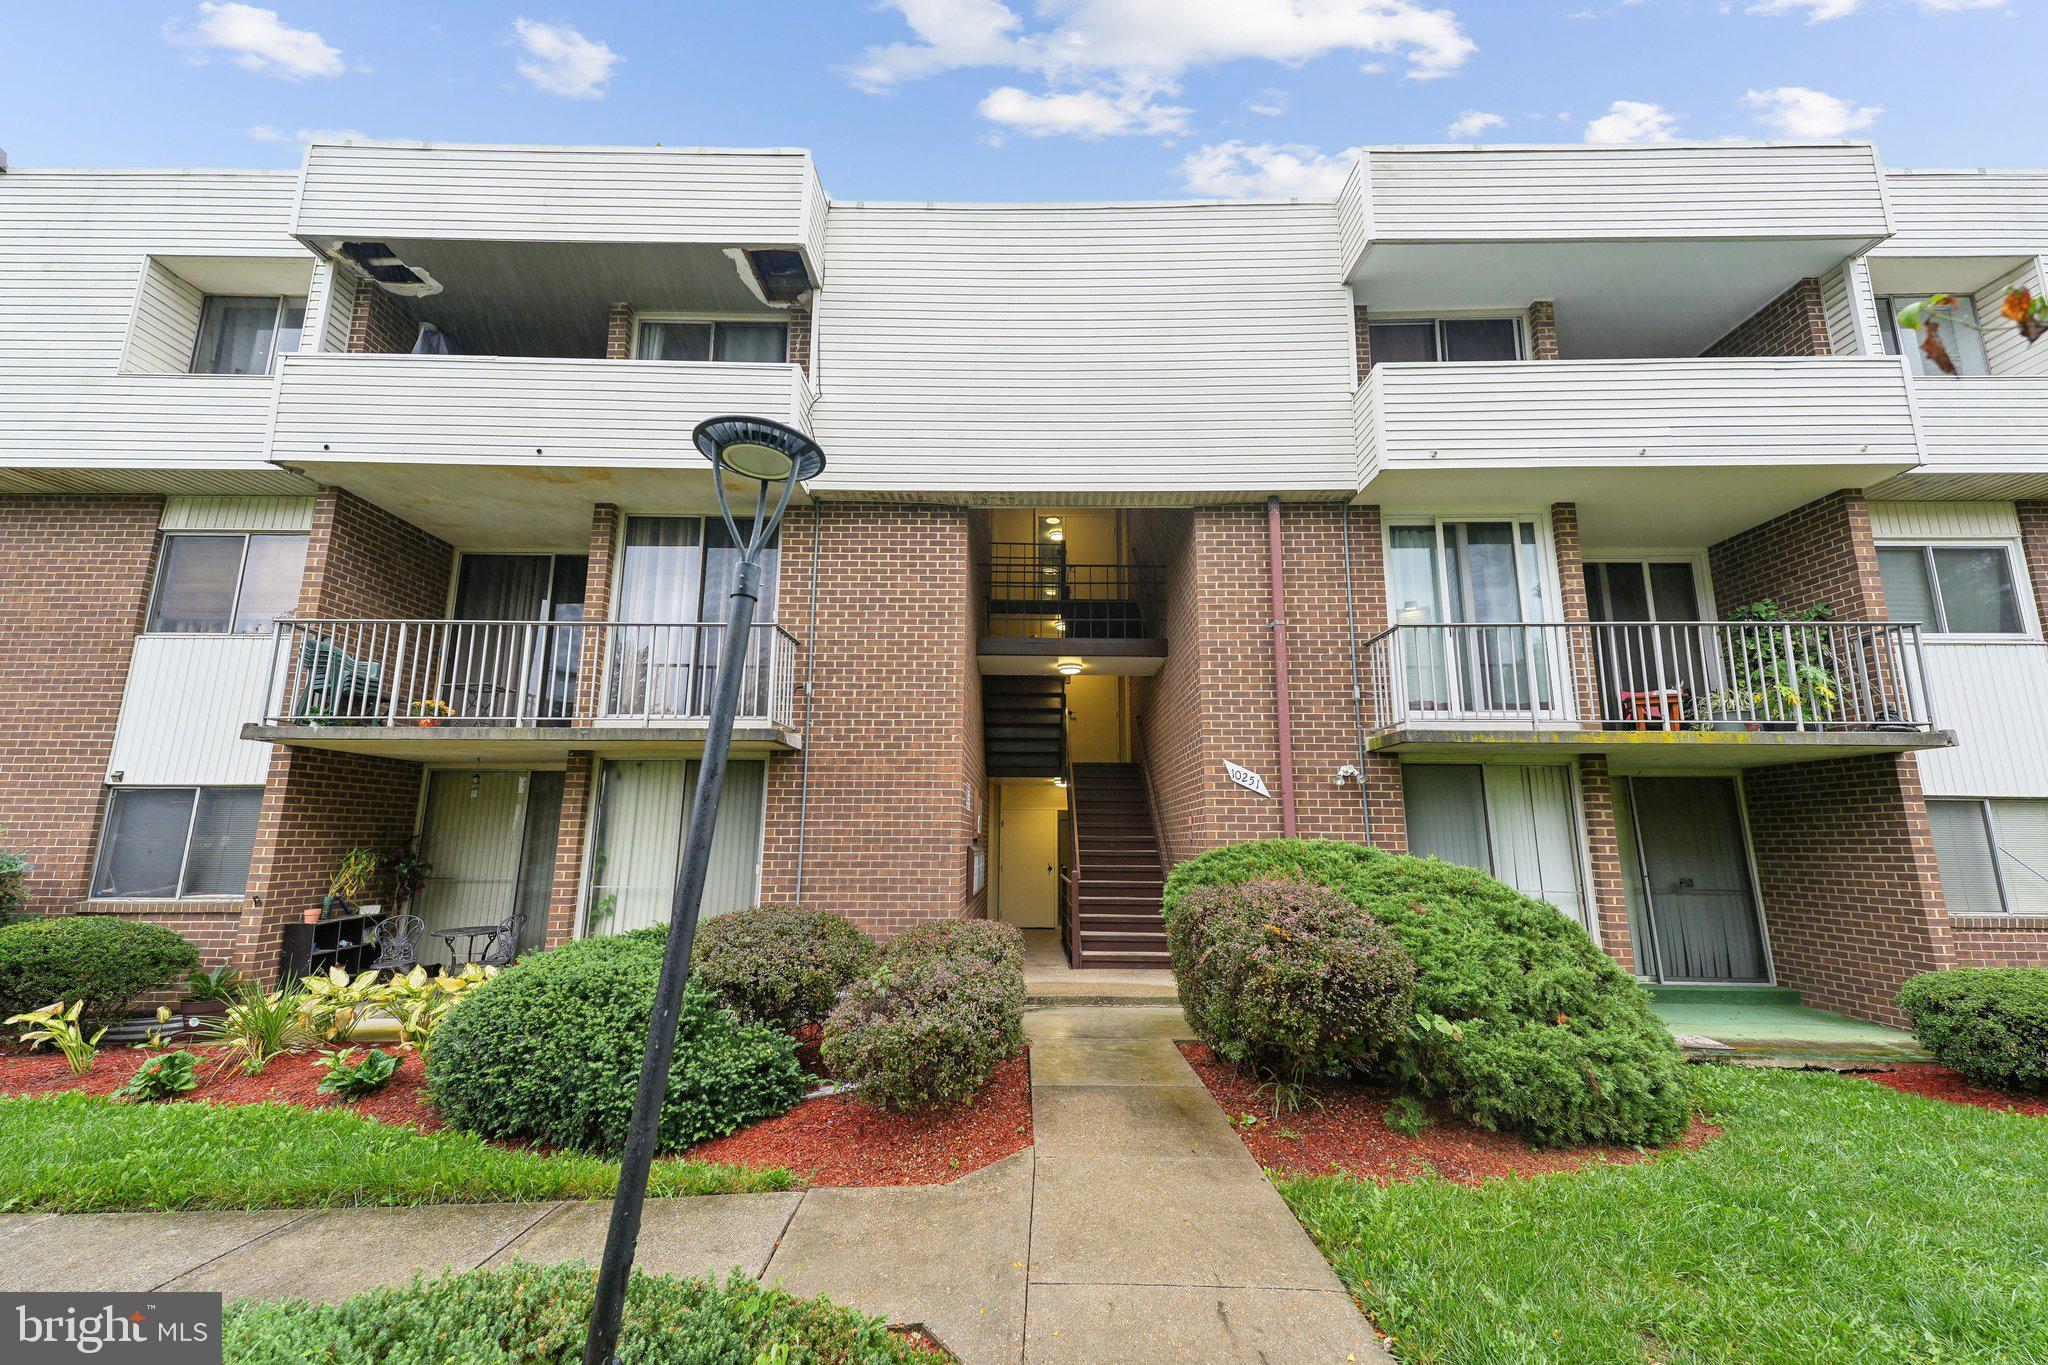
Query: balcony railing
pixel 1035 593
pixel 1826 676
pixel 396 673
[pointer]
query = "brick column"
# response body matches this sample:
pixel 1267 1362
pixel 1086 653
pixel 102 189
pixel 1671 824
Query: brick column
pixel 379 323
pixel 618 332
pixel 2034 545
pixel 579 808
pixel 597 608
pixel 1362 329
pixel 1603 851
pixel 1794 323
pixel 1543 330
pixel 1571 593
pixel 800 335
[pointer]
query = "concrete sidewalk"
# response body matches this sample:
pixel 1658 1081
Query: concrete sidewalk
pixel 1137 1229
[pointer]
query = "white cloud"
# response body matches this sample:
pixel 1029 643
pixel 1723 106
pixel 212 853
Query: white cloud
pixel 1266 170
pixel 258 40
pixel 1269 103
pixel 264 132
pixel 1472 123
pixel 1817 11
pixel 562 61
pixel 1080 113
pixel 1633 121
pixel 1795 111
pixel 1122 51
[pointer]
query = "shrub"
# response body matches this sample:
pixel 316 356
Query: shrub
pixel 14 870
pixel 1991 1024
pixel 162 1078
pixel 926 1028
pixel 550 1050
pixel 1522 1023
pixel 999 944
pixel 1288 977
pixel 527 1314
pixel 101 959
pixel 780 964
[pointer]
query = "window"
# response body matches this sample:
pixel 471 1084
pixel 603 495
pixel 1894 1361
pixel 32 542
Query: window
pixel 161 843
pixel 642 804
pixel 1993 855
pixel 1429 340
pixel 244 334
pixel 1518 823
pixel 1965 343
pixel 226 584
pixel 761 343
pixel 1951 589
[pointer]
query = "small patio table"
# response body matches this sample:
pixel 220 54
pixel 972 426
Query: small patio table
pixel 470 933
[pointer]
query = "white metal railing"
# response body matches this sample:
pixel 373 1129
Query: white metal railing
pixel 420 673
pixel 1666 675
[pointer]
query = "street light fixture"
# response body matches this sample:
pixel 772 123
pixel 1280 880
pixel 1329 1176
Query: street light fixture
pixel 775 458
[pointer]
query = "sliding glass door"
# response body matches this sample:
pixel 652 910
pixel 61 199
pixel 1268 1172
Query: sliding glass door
pixel 1653 663
pixel 503 671
pixel 675 574
pixel 1466 588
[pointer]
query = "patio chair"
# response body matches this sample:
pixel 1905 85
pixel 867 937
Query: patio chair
pixel 336 685
pixel 398 943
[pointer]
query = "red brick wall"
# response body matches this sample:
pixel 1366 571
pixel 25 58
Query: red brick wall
pixel 800 335
pixel 1851 894
pixel 891 723
pixel 1794 323
pixel 571 839
pixel 1819 553
pixel 1543 331
pixel 618 332
pixel 379 323
pixel 2033 518
pixel 364 562
pixel 1362 329
pixel 1984 942
pixel 75 575
pixel 1603 851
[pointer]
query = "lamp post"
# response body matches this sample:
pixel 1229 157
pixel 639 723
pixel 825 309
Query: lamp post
pixel 775 458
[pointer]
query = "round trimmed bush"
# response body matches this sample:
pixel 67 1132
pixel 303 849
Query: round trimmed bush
pixel 928 1026
pixel 526 1314
pixel 104 960
pixel 549 1050
pixel 1288 977
pixel 1989 1023
pixel 780 964
pixel 1522 1023
pixel 999 944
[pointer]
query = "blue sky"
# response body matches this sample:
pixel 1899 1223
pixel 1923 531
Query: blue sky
pixel 1021 99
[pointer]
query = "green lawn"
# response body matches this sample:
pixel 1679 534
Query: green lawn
pixel 76 1153
pixel 1833 1220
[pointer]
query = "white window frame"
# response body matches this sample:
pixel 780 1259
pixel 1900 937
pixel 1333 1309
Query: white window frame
pixel 184 858
pixel 2016 571
pixel 1891 338
pixel 1520 321
pixel 1546 554
pixel 163 557
pixel 1696 560
pixel 276 325
pixel 1998 855
pixel 640 321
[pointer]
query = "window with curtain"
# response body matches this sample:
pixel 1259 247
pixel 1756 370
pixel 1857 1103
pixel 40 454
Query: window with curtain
pixel 1445 575
pixel 1447 340
pixel 641 806
pixel 1952 589
pixel 1992 855
pixel 245 334
pixel 760 343
pixel 1518 823
pixel 225 584
pixel 675 574
pixel 160 843
pixel 1965 344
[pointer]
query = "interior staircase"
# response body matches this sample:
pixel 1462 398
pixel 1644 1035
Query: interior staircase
pixel 1023 725
pixel 1120 875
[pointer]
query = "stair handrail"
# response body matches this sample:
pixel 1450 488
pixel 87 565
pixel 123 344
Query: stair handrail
pixel 1072 884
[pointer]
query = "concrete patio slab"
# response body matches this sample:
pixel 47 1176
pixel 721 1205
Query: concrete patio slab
pixel 1121 1021
pixel 1169 1121
pixel 1099 1220
pixel 1109 1061
pixel 1141 1325
pixel 333 1253
pixel 703 1235
pixel 951 1257
pixel 73 1252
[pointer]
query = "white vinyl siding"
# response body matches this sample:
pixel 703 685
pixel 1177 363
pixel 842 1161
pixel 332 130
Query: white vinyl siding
pixel 1966 213
pixel 183 708
pixel 641 805
pixel 167 313
pixel 238 514
pixel 1049 350
pixel 1850 310
pixel 2006 351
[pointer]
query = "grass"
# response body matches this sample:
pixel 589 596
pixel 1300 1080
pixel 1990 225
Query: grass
pixel 73 1153
pixel 1833 1221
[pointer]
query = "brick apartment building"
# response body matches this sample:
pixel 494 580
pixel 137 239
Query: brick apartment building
pixel 354 505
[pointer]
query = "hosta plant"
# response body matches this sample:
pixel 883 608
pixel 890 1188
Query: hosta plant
pixel 58 1026
pixel 335 1003
pixel 420 1002
pixel 162 1078
pixel 352 1075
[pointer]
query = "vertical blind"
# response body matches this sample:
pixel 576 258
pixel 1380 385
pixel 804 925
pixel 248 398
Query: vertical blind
pixel 639 841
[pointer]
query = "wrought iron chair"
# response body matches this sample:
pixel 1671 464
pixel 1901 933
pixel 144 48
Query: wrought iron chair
pixel 398 942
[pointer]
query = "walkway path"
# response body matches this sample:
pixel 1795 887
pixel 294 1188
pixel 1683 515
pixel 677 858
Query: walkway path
pixel 1137 1229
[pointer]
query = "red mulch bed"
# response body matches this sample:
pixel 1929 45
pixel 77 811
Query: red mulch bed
pixel 290 1079
pixel 1942 1083
pixel 1343 1129
pixel 837 1140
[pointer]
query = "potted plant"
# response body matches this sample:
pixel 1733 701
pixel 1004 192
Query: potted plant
pixel 430 711
pixel 405 862
pixel 1777 678
pixel 352 876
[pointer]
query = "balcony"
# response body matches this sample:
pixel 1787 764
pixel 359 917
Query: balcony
pixel 1983 437
pixel 519 691
pixel 512 450
pixel 1720 694
pixel 1040 608
pixel 1645 447
pixel 90 433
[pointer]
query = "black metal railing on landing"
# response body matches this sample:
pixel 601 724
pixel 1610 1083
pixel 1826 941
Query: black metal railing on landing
pixel 1036 593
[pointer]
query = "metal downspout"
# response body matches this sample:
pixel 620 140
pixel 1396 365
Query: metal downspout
pixel 1282 706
